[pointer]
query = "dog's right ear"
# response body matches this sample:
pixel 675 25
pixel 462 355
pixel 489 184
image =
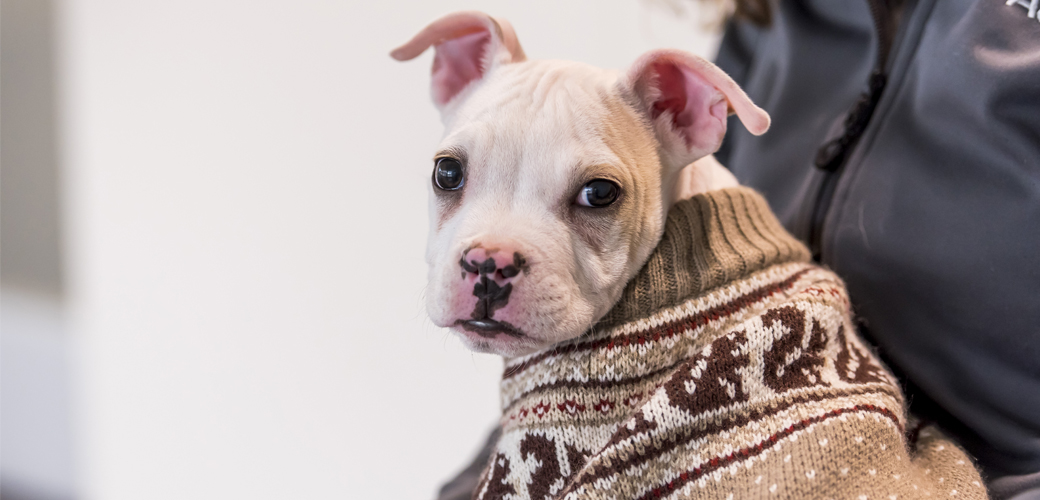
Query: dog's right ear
pixel 688 99
pixel 468 45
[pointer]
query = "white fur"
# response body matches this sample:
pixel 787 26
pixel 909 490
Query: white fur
pixel 703 175
pixel 528 130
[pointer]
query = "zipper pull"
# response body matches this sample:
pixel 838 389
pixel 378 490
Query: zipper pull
pixel 831 155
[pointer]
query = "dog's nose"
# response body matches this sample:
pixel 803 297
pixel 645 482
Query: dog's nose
pixel 498 262
pixel 491 269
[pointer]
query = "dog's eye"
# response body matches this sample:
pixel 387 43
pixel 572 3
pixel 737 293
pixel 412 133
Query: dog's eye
pixel 447 174
pixel 598 193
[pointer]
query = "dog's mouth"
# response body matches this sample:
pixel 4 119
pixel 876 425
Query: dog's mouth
pixel 489 328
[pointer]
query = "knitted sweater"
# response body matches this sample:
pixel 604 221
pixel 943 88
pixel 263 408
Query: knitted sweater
pixel 730 368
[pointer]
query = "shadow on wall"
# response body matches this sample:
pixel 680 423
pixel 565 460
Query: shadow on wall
pixel 35 424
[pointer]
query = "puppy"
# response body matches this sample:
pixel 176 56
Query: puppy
pixel 664 336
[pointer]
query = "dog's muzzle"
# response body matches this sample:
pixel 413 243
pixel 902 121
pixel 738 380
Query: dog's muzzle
pixel 493 272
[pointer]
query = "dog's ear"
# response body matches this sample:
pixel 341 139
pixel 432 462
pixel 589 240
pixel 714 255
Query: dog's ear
pixel 688 99
pixel 468 45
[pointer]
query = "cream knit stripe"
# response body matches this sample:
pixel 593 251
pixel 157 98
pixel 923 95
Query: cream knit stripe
pixel 595 360
pixel 578 408
pixel 737 432
pixel 574 405
pixel 718 299
pixel 598 365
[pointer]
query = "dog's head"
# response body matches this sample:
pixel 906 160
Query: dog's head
pixel 551 186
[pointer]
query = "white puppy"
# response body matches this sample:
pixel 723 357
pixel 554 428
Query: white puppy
pixel 551 186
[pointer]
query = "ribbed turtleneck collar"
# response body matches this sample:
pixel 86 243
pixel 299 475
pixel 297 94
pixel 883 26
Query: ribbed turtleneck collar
pixel 709 240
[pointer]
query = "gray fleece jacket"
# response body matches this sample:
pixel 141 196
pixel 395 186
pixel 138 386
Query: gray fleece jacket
pixel 933 218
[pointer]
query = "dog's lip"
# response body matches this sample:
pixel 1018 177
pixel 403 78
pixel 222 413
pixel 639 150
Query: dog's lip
pixel 489 328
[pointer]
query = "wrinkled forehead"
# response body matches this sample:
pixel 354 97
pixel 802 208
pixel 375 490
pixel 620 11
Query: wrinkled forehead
pixel 535 125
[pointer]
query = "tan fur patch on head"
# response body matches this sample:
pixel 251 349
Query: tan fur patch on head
pixel 629 135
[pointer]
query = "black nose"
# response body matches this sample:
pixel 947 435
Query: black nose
pixel 499 263
pixel 493 273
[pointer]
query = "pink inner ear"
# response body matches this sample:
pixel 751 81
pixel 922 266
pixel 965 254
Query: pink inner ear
pixel 698 110
pixel 458 62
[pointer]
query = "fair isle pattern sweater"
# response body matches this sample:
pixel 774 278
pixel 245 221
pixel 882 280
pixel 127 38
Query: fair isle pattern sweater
pixel 728 370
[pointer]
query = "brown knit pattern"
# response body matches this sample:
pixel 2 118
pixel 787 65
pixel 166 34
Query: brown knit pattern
pixel 730 369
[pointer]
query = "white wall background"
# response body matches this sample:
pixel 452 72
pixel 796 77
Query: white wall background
pixel 245 196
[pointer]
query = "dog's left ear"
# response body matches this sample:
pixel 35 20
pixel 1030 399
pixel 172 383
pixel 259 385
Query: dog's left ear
pixel 688 99
pixel 468 45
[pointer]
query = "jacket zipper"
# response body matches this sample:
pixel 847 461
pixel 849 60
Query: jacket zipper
pixel 831 157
